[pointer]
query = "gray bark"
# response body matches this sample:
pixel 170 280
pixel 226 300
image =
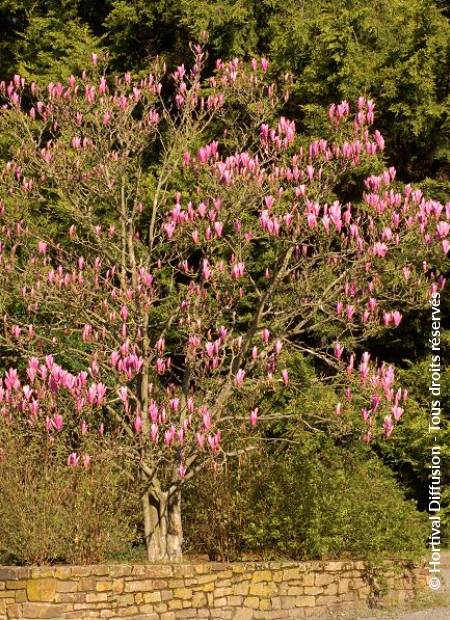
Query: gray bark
pixel 163 527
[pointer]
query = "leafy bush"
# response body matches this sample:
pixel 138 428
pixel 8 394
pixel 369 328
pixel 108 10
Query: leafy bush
pixel 317 501
pixel 51 513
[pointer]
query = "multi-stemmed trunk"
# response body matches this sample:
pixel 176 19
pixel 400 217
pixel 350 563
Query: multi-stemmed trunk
pixel 161 509
pixel 162 524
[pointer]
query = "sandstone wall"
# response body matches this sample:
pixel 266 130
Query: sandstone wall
pixel 238 591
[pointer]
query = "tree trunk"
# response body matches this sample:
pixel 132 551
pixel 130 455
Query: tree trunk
pixel 162 523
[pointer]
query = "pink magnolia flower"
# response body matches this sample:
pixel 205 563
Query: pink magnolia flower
pixel 200 439
pixel 15 331
pixel 396 318
pixel 223 333
pixel 169 229
pixel 124 313
pixel 175 404
pixel 311 220
pixel 86 460
pixel 269 201
pixel 92 394
pixel 42 247
pixel 194 342
pixel 123 393
pixel 169 435
pixel 154 432
pixel 206 416
pixel 153 411
pixel 214 441
pixel 210 349
pixel 237 271
pixel 387 318
pixel 365 414
pixel 388 426
pixel 58 422
pixel 33 365
pixel 239 378
pixel 338 350
pixel 375 401
pixel 351 364
pixel 443 229
pixel 206 270
pixel 254 416
pixel 265 335
pixel 397 412
pixel 160 366
pixel 12 379
pixel 102 86
pixel 27 392
pixel 115 357
pixel 380 249
pixel 372 304
pixel 73 459
pixel 101 393
pixel 76 144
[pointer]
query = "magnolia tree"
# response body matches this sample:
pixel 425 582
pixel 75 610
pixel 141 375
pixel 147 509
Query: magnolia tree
pixel 155 281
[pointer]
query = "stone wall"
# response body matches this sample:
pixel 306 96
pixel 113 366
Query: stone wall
pixel 238 591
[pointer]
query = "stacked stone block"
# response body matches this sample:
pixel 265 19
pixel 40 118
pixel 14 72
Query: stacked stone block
pixel 237 591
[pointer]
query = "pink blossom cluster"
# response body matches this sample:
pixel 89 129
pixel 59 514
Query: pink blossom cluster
pixel 378 383
pixel 48 399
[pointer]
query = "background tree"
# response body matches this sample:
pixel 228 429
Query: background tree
pixel 396 52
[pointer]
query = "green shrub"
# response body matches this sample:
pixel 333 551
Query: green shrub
pixel 51 513
pixel 317 501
